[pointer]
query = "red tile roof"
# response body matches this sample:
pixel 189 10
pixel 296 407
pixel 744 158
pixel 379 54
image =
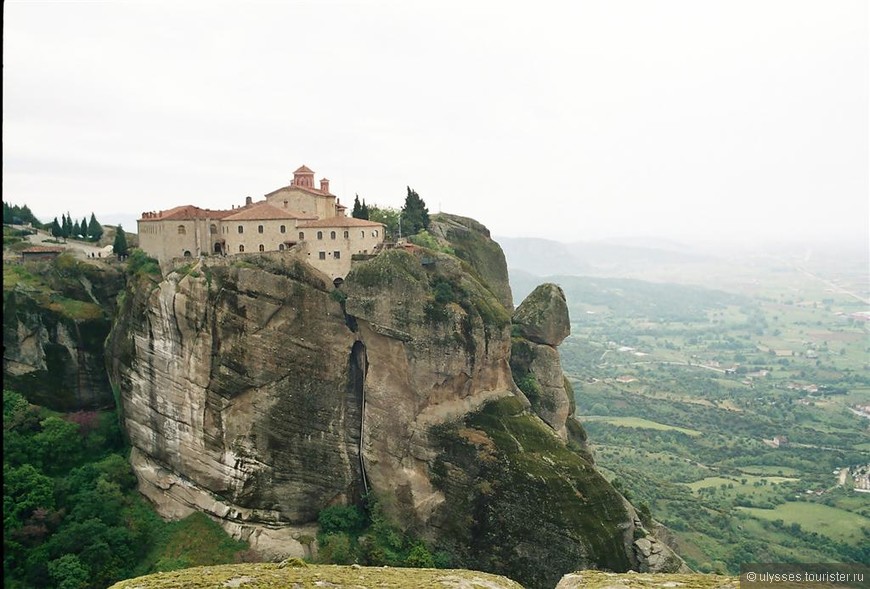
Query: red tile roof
pixel 310 190
pixel 43 249
pixel 340 222
pixel 263 211
pixel 304 170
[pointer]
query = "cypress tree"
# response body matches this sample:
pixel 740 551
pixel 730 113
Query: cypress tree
pixel 415 215
pixel 95 230
pixel 120 245
pixel 68 225
pixel 84 227
pixel 56 231
pixel 76 230
pixel 357 208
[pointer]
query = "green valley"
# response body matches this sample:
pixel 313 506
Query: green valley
pixel 733 405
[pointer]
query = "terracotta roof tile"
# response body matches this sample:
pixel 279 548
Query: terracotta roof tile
pixel 43 249
pixel 262 211
pixel 303 170
pixel 313 191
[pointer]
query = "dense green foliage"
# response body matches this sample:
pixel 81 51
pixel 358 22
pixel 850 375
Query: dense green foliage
pixel 363 535
pixel 19 215
pixel 360 210
pixel 388 216
pixel 140 264
pixel 415 214
pixel 120 247
pixel 65 228
pixel 71 514
pixel 427 240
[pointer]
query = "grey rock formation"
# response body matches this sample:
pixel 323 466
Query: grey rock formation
pixel 542 324
pixel 543 316
pixel 53 333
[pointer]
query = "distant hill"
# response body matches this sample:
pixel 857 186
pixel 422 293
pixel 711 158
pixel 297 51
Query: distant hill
pixel 543 257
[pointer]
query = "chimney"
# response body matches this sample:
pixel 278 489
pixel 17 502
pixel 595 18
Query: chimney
pixel 248 200
pixel 324 185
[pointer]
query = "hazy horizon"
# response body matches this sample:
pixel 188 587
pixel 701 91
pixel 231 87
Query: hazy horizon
pixel 721 122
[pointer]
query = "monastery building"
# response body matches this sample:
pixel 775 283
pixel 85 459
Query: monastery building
pixel 311 219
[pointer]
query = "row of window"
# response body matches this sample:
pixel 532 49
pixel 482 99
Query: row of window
pixel 262 248
pixel 182 230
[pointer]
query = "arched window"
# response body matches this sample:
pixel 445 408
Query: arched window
pixel 362 233
pixel 262 248
pixel 346 234
pixel 241 248
pixel 283 228
pixel 280 247
pixel 182 230
pixel 213 229
pixel 259 228
pixel 332 235
pixel 186 253
pixel 320 235
pixel 375 233
pixel 301 235
pixel 241 229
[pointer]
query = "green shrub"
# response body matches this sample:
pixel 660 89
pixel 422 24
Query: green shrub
pixel 341 518
pixel 139 263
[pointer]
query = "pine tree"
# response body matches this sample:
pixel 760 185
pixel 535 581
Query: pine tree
pixel 56 231
pixel 415 215
pixel 95 230
pixel 120 245
pixel 76 230
pixel 68 226
pixel 84 227
pixel 8 216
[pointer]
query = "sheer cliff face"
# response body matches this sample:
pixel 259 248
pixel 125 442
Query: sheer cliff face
pixel 55 320
pixel 253 390
pixel 238 396
pixel 249 393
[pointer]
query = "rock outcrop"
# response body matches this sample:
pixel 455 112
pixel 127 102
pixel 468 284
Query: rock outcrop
pixel 540 324
pixel 253 390
pixel 56 316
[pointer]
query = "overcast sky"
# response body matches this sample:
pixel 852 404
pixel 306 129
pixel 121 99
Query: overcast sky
pixel 567 120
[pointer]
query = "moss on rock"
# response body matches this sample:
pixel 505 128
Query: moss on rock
pixel 502 469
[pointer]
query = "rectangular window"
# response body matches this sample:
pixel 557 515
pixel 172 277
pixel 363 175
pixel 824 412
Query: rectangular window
pixel 259 229
pixel 322 255
pixel 336 255
pixel 241 229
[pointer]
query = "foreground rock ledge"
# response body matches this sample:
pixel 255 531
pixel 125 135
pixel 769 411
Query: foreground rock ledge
pixel 273 576
pixel 630 580
pixel 296 573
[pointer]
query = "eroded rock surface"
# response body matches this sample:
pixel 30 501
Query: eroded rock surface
pixel 254 391
pixel 541 324
pixel 54 326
